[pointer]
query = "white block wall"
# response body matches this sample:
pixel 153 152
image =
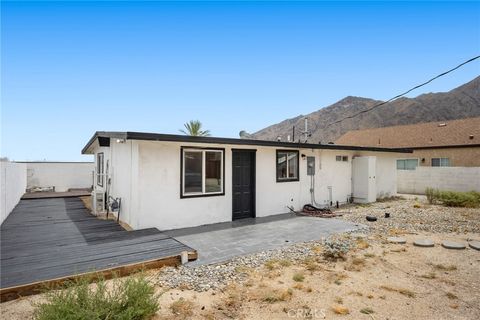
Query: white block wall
pixel 13 185
pixel 61 175
pixel 443 178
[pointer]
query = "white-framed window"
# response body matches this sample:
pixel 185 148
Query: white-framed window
pixel 287 165
pixel 341 158
pixel 407 164
pixel 100 169
pixel 202 172
pixel 440 162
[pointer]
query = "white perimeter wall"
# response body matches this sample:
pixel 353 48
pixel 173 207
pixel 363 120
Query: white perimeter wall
pixel 61 175
pixel 146 175
pixel 443 178
pixel 13 185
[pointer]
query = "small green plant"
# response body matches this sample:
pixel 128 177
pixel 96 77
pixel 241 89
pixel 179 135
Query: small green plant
pixel 453 198
pixel 298 277
pixel 336 249
pixel 129 298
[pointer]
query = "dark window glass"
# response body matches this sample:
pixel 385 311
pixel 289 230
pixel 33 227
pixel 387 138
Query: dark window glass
pixel 193 172
pixel 213 171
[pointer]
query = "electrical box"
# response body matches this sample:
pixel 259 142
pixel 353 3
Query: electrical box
pixel 310 166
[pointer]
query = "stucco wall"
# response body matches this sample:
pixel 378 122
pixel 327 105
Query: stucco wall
pixel 151 193
pixel 13 185
pixel 61 175
pixel 443 178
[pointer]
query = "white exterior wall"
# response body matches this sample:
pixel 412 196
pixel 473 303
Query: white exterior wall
pixel 61 175
pixel 123 172
pixel 146 175
pixel 443 178
pixel 13 178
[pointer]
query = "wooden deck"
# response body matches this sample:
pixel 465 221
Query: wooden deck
pixel 66 194
pixel 47 241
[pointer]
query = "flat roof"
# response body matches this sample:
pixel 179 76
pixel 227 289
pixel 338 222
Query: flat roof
pixel 235 141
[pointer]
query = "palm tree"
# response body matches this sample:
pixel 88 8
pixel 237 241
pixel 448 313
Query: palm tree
pixel 194 128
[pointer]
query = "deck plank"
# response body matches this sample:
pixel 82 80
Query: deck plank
pixel 54 238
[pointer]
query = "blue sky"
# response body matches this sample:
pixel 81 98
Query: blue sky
pixel 69 69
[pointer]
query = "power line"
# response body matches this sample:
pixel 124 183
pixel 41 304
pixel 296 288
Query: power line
pixel 402 94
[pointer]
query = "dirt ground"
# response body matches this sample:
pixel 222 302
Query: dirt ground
pixel 377 280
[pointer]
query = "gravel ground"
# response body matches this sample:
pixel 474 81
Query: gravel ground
pixel 412 215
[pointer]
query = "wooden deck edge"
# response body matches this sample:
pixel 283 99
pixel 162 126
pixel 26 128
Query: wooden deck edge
pixel 12 293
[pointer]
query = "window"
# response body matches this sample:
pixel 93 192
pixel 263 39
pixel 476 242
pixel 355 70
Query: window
pixel 202 172
pixel 287 166
pixel 407 164
pixel 100 170
pixel 341 158
pixel 440 162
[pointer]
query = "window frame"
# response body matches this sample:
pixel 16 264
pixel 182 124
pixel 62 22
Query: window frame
pixel 406 159
pixel 440 159
pixel 203 150
pixel 100 173
pixel 297 178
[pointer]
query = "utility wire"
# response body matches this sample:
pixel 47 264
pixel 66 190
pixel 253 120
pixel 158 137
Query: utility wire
pixel 402 94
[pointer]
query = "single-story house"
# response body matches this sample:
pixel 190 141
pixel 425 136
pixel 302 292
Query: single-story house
pixel 453 143
pixel 176 181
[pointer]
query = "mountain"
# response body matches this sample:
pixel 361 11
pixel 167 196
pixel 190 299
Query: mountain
pixel 461 102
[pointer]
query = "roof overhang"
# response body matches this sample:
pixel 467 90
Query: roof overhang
pixel 232 141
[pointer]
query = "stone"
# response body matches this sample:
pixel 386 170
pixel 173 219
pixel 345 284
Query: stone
pixel 453 245
pixel 398 240
pixel 423 243
pixel 474 245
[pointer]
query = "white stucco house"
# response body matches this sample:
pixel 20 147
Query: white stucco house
pixel 176 181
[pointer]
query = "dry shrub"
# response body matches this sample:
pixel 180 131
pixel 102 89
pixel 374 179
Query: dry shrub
pixel 430 275
pixel 272 296
pixel 402 291
pixel 356 264
pixel 338 300
pixel 298 277
pixel 369 255
pixel 362 244
pixel 338 309
pixel 182 308
pixel 310 264
pixel 367 310
pixel 442 267
pixel 451 296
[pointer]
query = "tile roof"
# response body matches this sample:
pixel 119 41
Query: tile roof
pixel 432 134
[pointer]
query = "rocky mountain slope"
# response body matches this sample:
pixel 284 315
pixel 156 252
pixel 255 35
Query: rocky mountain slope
pixel 461 102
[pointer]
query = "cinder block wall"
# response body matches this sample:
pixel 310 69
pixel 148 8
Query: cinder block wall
pixel 443 178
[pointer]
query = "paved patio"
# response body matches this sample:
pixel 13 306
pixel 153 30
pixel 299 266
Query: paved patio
pixel 223 241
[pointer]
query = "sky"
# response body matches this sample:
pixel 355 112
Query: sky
pixel 69 69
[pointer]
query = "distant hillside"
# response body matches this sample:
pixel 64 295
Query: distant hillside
pixel 462 102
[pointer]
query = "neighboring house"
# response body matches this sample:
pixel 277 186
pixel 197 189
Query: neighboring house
pixel 454 143
pixel 173 181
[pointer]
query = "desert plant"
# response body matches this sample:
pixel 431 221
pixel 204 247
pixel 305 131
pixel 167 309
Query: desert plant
pixel 432 195
pixel 182 308
pixel 129 298
pixel 460 199
pixel 336 249
pixel 298 277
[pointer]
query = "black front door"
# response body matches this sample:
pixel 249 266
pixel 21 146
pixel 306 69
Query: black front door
pixel 243 184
